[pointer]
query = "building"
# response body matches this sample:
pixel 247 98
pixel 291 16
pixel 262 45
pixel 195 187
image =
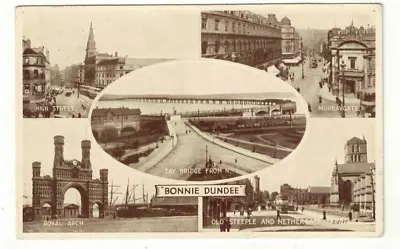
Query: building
pixel 319 195
pixel 291 43
pixel 352 64
pixel 241 36
pixel 69 174
pixel 71 211
pixel 312 195
pixel 102 68
pixel 36 74
pixel 353 182
pixel 56 77
pixel 74 75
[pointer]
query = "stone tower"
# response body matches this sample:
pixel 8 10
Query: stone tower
pixel 356 151
pixel 91 44
pixel 58 151
pixel 85 146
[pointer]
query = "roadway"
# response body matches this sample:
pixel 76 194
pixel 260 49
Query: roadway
pixel 72 105
pixel 190 152
pixel 309 89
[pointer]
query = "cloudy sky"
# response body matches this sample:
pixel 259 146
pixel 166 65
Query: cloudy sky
pixel 157 32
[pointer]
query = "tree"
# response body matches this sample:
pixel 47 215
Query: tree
pixel 265 195
pixel 117 152
pixel 274 195
pixel 109 134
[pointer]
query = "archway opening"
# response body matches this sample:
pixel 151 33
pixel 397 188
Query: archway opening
pixel 46 210
pixel 96 210
pixel 262 113
pixel 75 203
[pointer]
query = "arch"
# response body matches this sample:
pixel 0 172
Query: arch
pixel 128 128
pixel 262 113
pixel 217 46
pixel 346 192
pixel 97 209
pixel 226 47
pixel 204 46
pixel 353 41
pixel 108 133
pixel 84 196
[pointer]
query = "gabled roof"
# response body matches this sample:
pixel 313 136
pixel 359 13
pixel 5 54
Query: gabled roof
pixel 71 205
pixel 174 201
pixel 115 111
pixel 30 51
pixel 319 190
pixel 359 168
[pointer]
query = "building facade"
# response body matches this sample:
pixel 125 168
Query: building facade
pixel 353 182
pixel 241 36
pixel 352 65
pixel 36 73
pixel 100 69
pixel 312 195
pixel 69 174
pixel 291 42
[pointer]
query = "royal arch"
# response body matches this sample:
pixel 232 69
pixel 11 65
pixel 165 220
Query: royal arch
pixel 69 174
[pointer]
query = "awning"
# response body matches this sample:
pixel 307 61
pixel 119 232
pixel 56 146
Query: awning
pixel 273 70
pixel 292 61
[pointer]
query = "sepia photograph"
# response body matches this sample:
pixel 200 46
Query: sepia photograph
pixel 70 187
pixel 329 61
pixel 196 121
pixel 335 193
pixel 71 53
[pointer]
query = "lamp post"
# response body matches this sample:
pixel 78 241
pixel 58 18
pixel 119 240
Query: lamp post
pixel 302 60
pixel 372 172
pixel 343 67
pixel 206 156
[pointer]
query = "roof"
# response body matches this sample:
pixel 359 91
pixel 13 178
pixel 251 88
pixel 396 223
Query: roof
pixel 319 190
pixel 174 201
pixel 142 62
pixel 71 205
pixel 286 21
pixel 356 140
pixel 30 51
pixel 355 167
pixel 100 112
pixel 113 61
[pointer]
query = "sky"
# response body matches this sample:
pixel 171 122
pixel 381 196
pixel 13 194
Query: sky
pixel 311 164
pixel 203 76
pixel 158 32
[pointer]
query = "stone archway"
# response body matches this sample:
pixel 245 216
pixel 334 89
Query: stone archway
pixel 84 196
pixel 97 208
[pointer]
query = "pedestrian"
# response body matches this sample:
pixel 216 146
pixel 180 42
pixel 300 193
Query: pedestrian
pixel 278 214
pixel 79 115
pixel 302 209
pixel 324 215
pixel 228 224
pixel 320 99
pixel 350 215
pixel 222 225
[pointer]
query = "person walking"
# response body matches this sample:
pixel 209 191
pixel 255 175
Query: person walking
pixel 278 214
pixel 228 224
pixel 324 215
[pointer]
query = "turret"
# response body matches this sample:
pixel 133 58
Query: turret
pixel 36 169
pixel 85 146
pixel 104 175
pixel 58 151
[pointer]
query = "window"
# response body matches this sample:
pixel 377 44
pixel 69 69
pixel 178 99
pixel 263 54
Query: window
pixel 26 88
pixel 121 67
pixel 233 27
pixel 352 62
pixel 35 74
pixel 226 25
pixel 217 45
pixel 216 24
pixel 203 23
pixel 204 47
pixel 35 61
pixel 26 60
pixel 26 74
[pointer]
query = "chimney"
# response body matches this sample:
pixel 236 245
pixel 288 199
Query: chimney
pixel 28 43
pixel 36 169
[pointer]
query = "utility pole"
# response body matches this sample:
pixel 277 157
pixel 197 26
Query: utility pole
pixel 302 60
pixel 113 192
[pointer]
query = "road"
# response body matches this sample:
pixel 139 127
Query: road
pixel 190 152
pixel 144 224
pixel 309 89
pixel 72 105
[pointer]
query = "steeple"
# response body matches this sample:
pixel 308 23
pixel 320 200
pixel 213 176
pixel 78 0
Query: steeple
pixel 91 44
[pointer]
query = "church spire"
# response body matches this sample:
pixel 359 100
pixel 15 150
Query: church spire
pixel 91 44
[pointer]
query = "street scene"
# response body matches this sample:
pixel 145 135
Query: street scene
pixel 338 197
pixel 333 68
pixel 65 195
pixel 60 80
pixel 198 137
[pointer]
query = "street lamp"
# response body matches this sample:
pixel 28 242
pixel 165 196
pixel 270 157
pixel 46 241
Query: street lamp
pixel 302 60
pixel 372 172
pixel 343 66
pixel 206 155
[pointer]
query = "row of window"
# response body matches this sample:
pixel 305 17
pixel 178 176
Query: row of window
pixel 34 61
pixel 33 74
pixel 37 90
pixel 241 46
pixel 234 26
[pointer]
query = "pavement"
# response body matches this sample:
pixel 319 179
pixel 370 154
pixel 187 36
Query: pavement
pixel 190 152
pixel 72 105
pixel 310 90
pixel 266 220
pixel 144 224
